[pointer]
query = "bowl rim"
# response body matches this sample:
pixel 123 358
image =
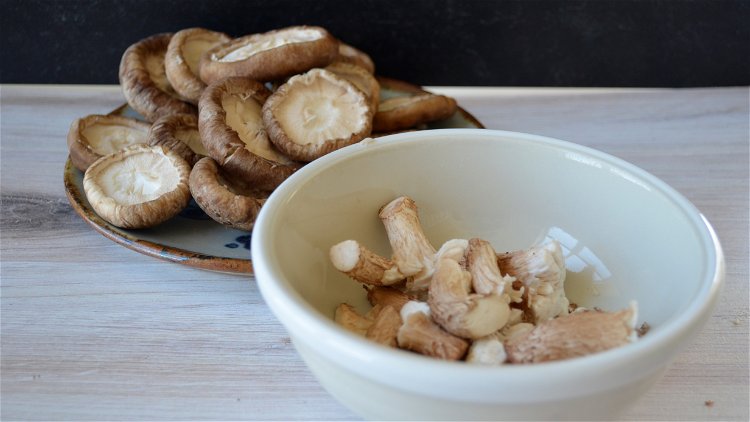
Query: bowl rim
pixel 651 352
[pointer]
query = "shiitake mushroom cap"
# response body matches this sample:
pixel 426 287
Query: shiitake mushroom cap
pixel 361 78
pixel 182 59
pixel 406 112
pixel 139 186
pixel 178 132
pixel 315 113
pixel 241 158
pixel 226 199
pixel 353 55
pixel 84 145
pixel 265 57
pixel 144 82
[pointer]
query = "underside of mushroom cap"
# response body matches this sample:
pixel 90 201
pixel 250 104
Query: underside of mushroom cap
pixel 182 59
pixel 144 82
pixel 231 128
pixel 271 55
pixel 315 113
pixel 140 186
pixel 96 135
pixel 360 78
pixel 225 199
pixel 178 132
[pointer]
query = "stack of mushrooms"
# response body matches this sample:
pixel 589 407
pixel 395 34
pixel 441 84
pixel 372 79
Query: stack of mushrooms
pixel 465 301
pixel 228 119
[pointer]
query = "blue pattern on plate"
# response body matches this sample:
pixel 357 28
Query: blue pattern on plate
pixel 194 212
pixel 243 241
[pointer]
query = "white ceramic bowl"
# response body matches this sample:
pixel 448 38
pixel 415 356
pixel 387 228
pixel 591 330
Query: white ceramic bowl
pixel 626 236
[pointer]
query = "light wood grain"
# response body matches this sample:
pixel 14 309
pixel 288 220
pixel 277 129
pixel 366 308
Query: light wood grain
pixel 93 331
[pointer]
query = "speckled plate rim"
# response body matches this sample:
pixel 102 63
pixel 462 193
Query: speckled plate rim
pixel 204 261
pixel 156 250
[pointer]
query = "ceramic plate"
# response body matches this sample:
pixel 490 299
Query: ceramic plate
pixel 192 238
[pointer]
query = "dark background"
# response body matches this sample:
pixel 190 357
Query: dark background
pixel 671 43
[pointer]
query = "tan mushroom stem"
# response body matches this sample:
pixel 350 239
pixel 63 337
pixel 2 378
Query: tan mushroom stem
pixel 460 312
pixel 487 351
pixel 510 332
pixel 541 269
pixel 421 335
pixel 485 273
pixel 364 265
pixel 412 252
pixel 454 249
pixel 350 319
pixel 388 296
pixel 385 326
pixel 574 335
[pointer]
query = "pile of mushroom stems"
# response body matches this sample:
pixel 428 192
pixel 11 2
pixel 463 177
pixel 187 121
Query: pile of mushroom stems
pixel 464 301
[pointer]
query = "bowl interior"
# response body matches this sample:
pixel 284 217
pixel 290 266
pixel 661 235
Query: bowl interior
pixel 625 235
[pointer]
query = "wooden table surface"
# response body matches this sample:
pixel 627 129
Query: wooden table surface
pixel 94 331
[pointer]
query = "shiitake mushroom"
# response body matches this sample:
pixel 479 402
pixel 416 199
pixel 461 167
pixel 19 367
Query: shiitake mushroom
pixel 232 130
pixel 182 59
pixel 139 186
pixel 178 132
pixel 144 81
pixel 96 135
pixel 271 55
pixel 226 199
pixel 315 113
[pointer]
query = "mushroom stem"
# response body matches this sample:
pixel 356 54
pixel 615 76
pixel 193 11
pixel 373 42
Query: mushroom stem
pixel 420 334
pixel 385 326
pixel 349 318
pixel 364 265
pixel 388 296
pixel 578 334
pixel 487 351
pixel 485 273
pixel 412 252
pixel 457 310
pixel 541 270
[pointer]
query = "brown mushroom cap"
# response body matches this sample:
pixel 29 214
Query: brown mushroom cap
pixel 144 81
pixel 139 186
pixel 96 135
pixel 182 59
pixel 178 132
pixel 361 78
pixel 408 111
pixel 271 55
pixel 225 199
pixel 351 54
pixel 231 128
pixel 315 113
